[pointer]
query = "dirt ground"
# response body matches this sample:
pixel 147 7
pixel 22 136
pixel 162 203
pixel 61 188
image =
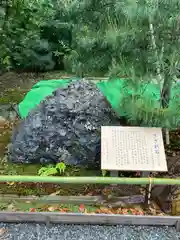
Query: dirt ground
pixel 26 80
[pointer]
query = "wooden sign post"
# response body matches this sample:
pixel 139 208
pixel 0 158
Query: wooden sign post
pixel 132 149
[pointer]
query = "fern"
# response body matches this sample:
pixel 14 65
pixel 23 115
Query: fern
pixel 51 170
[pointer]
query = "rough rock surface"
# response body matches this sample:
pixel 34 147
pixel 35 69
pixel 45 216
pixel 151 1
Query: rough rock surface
pixel 64 127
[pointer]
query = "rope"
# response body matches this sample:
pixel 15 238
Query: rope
pixel 150 188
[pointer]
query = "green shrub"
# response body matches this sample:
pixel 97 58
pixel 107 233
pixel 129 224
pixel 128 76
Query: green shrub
pixel 34 35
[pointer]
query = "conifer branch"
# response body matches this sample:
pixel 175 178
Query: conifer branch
pixel 162 81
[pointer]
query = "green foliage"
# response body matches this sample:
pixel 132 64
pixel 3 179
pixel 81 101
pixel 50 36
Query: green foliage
pixel 115 37
pixel 47 171
pixel 52 170
pixel 34 35
pixel 142 111
pixel 104 172
pixel 61 167
pixel 134 39
pixel 126 38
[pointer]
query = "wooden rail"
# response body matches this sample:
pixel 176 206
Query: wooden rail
pixel 78 218
pixel 91 200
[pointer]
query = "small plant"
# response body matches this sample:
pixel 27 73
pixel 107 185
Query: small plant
pixel 104 172
pixel 52 170
pixel 6 63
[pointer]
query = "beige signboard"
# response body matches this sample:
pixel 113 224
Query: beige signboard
pixel 132 149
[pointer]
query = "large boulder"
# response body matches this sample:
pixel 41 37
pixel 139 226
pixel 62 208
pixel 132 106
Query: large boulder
pixel 64 127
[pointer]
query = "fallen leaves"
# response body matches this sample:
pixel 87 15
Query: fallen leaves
pixel 52 208
pixel 32 210
pixel 55 193
pixel 81 208
pixel 10 183
pixel 11 207
pixel 122 211
pixel 155 210
pixel 88 210
pixel 104 210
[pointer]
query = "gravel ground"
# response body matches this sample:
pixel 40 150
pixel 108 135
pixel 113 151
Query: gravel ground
pixel 85 232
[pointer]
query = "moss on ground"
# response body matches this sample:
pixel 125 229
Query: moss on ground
pixel 8 168
pixel 6 128
pixel 4 140
pixel 8 97
pixel 12 96
pixel 39 207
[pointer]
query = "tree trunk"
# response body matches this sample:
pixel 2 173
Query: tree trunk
pixel 165 98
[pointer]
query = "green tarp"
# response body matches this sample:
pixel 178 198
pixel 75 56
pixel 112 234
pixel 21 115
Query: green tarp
pixel 40 91
pixel 113 90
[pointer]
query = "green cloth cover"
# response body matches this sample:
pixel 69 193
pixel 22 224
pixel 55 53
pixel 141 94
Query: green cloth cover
pixel 113 90
pixel 40 91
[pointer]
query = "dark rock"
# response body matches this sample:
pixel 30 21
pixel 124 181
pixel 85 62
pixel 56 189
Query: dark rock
pixel 64 127
pixel 162 196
